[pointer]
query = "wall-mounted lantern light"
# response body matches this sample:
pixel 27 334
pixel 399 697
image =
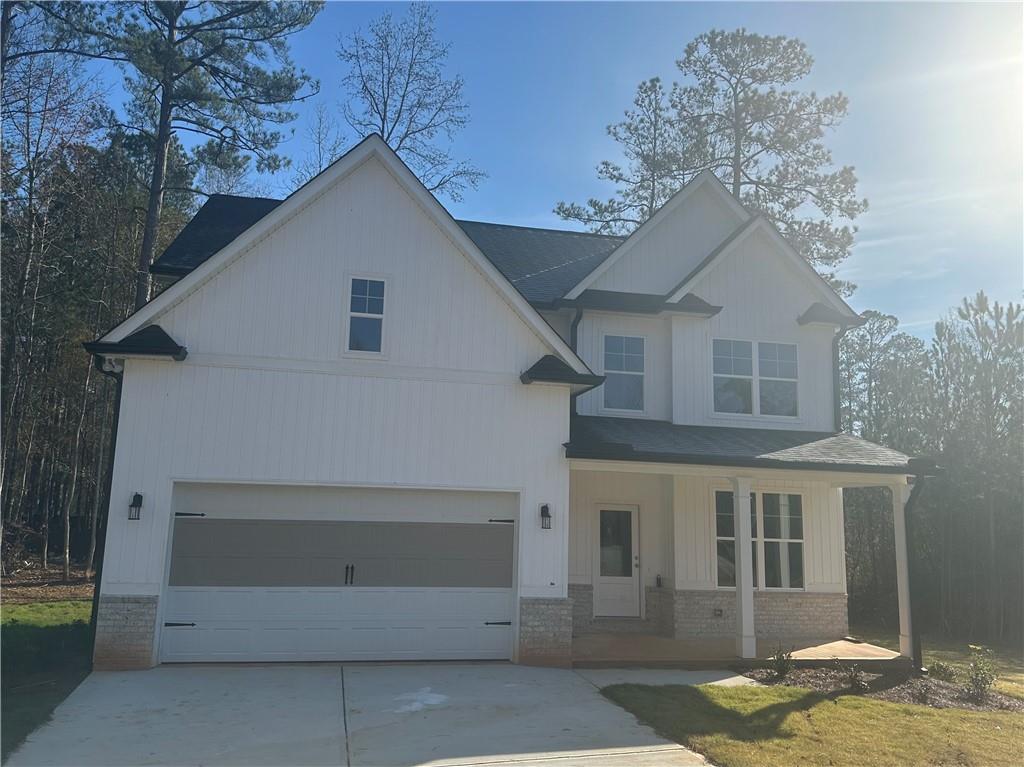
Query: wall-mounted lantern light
pixel 545 516
pixel 135 507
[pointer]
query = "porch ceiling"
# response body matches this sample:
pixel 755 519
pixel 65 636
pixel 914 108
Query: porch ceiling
pixel 637 439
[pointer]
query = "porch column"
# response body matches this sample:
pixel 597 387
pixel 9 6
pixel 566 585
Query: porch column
pixel 746 642
pixel 900 494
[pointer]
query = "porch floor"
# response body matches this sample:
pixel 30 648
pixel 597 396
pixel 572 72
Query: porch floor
pixel 650 650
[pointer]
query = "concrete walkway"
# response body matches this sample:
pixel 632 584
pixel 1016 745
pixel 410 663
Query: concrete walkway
pixel 360 714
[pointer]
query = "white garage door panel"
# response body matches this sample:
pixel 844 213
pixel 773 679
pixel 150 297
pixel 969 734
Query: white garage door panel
pixel 235 624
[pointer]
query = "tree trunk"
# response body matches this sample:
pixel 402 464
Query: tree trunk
pixel 97 497
pixel 76 454
pixel 156 198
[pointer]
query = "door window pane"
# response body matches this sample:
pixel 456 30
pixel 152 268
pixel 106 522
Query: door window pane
pixel 616 543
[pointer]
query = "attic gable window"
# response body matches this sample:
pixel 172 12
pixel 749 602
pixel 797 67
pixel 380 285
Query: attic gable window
pixel 733 363
pixel 746 383
pixel 366 316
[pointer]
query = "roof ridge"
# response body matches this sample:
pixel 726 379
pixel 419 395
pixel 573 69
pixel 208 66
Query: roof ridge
pixel 542 229
pixel 247 197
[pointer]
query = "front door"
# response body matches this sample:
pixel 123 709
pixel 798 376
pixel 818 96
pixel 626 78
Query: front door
pixel 617 563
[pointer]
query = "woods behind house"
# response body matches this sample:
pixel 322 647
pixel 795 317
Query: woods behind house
pixel 82 178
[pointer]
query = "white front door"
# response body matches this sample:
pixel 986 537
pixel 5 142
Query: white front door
pixel 617 563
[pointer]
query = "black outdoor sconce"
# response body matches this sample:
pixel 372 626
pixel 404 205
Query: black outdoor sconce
pixel 135 507
pixel 545 517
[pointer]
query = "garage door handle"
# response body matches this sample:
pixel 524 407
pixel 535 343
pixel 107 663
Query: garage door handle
pixel 175 623
pixel 497 623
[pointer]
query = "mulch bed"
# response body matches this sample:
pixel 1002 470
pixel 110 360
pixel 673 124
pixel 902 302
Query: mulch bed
pixel 895 688
pixel 28 583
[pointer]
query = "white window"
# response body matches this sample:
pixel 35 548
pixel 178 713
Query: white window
pixel 733 366
pixel 777 540
pixel 748 385
pixel 624 373
pixel 366 316
pixel 776 379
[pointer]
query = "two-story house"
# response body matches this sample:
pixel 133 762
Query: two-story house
pixel 356 428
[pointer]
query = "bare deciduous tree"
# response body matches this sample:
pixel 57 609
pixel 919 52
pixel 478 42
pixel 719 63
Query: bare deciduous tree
pixel 397 88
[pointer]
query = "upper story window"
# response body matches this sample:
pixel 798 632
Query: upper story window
pixel 776 379
pixel 366 316
pixel 624 373
pixel 749 385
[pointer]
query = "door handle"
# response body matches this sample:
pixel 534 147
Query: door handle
pixel 347 572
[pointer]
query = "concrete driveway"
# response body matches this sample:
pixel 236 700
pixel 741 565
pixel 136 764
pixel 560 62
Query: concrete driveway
pixel 361 714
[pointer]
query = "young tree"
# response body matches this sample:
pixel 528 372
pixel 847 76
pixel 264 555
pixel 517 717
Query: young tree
pixel 650 141
pixel 326 144
pixel 735 117
pixel 200 68
pixel 397 88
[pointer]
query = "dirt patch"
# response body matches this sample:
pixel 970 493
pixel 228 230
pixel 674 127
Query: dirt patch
pixel 895 688
pixel 30 583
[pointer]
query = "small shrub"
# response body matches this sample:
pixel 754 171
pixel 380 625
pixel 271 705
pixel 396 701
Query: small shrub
pixel 921 692
pixel 945 672
pixel 781 662
pixel 981 674
pixel 854 676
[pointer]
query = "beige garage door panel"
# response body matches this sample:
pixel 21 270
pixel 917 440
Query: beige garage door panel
pixel 289 553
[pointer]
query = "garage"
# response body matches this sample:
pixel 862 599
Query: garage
pixel 338 574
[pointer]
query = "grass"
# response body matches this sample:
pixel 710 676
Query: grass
pixel 777 725
pixel 1008 661
pixel 45 657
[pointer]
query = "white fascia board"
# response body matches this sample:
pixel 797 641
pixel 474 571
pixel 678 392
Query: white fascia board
pixel 371 146
pixel 799 262
pixel 702 179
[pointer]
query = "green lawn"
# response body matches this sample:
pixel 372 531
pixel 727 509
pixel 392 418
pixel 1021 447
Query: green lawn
pixel 1008 661
pixel 785 726
pixel 45 656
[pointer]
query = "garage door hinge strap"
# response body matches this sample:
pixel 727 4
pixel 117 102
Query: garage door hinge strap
pixel 503 521
pixel 497 623
pixel 189 514
pixel 175 623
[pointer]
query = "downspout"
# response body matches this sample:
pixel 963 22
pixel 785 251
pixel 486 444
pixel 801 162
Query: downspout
pixel 919 468
pixel 573 342
pixel 101 532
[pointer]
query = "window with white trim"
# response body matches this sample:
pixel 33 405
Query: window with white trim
pixel 366 316
pixel 624 373
pixel 777 540
pixel 733 365
pixel 747 385
pixel 776 379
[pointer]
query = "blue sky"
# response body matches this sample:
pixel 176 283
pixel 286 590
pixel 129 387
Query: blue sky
pixel 934 127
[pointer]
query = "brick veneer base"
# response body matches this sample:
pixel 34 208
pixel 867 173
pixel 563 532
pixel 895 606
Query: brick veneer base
pixel 125 632
pixel 781 616
pixel 545 631
pixel 657 613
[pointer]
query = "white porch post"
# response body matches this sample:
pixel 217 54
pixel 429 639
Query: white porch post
pixel 900 494
pixel 746 642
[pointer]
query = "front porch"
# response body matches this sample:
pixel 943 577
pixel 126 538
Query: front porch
pixel 700 566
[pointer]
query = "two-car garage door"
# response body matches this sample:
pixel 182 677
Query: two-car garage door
pixel 338 574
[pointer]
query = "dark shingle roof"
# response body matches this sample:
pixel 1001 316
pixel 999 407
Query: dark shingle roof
pixel 818 312
pixel 551 369
pixel 641 303
pixel 636 439
pixel 543 264
pixel 150 341
pixel 221 219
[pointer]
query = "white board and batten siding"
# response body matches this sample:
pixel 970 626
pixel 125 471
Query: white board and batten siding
pixel 762 296
pixel 267 395
pixel 694 530
pixel 677 525
pixel 656 332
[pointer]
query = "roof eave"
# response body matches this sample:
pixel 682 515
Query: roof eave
pixel 108 349
pixel 625 453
